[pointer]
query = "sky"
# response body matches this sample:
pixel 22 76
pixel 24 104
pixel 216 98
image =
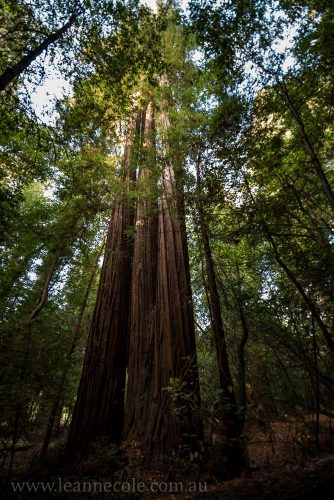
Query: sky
pixel 55 86
pixel 43 96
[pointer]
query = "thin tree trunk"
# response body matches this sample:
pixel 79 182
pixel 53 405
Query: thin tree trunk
pixel 326 188
pixel 242 368
pixel 33 315
pixel 317 383
pixel 315 233
pixel 293 278
pixel 75 338
pixel 99 408
pixel 59 417
pixel 234 448
pixel 242 394
pixel 11 73
pixel 45 291
pixel 307 300
pixel 308 146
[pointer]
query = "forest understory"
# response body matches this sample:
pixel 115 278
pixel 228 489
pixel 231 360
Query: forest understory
pixel 283 463
pixel 167 249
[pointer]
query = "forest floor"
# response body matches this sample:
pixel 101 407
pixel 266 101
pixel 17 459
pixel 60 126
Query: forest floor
pixel 284 464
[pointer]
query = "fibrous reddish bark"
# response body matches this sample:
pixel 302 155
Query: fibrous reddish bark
pixel 149 299
pixel 143 296
pixel 163 390
pixel 99 409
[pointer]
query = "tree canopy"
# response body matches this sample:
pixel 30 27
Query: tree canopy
pixel 166 233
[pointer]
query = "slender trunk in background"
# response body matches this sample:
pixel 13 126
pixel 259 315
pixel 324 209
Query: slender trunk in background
pixel 308 146
pixel 317 383
pixel 292 277
pixel 233 447
pixel 75 337
pixel 242 368
pixel 241 354
pixel 58 422
pixel 33 315
pixel 99 408
pixel 308 301
pixel 13 72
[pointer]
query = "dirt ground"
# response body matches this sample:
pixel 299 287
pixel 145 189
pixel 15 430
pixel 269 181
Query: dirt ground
pixel 284 464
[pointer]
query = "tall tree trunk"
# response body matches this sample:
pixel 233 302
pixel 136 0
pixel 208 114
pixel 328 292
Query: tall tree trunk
pixel 143 295
pixel 99 408
pixel 163 391
pixel 12 72
pixel 233 429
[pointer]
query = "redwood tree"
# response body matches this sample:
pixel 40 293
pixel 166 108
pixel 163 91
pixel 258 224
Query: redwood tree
pixel 99 407
pixel 163 390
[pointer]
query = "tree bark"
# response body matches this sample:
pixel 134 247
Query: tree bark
pixel 99 408
pixel 143 295
pixel 317 384
pixel 12 72
pixel 163 391
pixel 233 429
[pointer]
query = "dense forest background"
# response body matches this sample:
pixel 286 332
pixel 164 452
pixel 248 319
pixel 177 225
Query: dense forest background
pixel 167 259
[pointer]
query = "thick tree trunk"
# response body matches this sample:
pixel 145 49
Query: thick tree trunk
pixel 233 429
pixel 163 391
pixel 99 409
pixel 143 296
pixel 12 72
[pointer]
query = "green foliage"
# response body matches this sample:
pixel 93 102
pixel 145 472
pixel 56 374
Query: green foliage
pixel 260 193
